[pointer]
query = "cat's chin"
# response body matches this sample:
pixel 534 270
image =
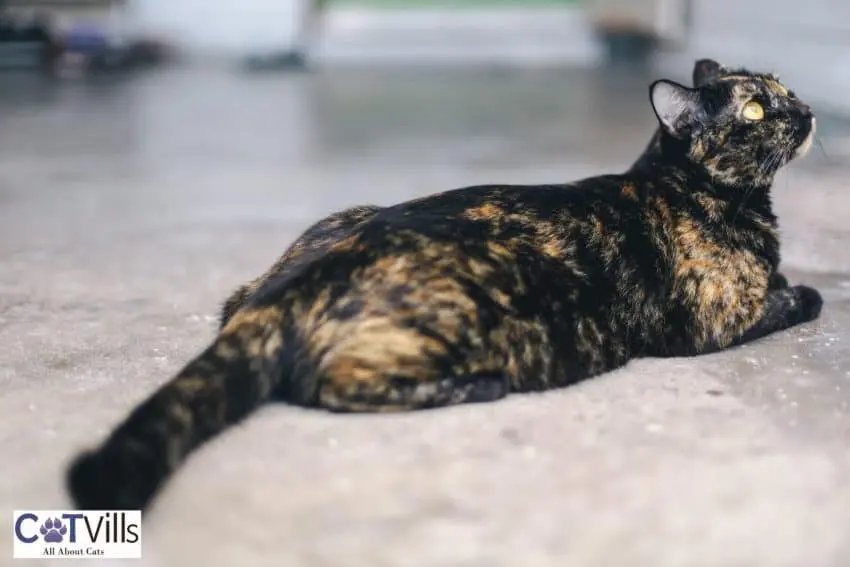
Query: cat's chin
pixel 806 144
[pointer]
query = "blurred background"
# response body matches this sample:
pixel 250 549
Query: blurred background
pixel 155 154
pixel 584 49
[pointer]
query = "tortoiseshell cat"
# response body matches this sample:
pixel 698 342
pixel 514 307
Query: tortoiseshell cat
pixel 467 295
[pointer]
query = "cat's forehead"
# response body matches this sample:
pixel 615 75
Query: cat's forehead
pixel 750 84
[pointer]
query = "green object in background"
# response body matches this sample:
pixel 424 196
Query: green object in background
pixel 453 4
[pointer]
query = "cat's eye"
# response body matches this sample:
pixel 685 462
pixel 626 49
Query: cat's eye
pixel 753 111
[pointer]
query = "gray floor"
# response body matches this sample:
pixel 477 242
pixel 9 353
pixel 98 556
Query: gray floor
pixel 129 210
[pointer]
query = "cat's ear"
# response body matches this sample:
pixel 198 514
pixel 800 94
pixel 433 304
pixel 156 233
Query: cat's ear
pixel 707 71
pixel 677 107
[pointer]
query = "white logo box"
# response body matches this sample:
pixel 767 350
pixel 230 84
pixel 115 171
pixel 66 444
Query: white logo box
pixel 77 534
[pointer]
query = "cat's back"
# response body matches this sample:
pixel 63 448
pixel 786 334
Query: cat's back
pixel 507 207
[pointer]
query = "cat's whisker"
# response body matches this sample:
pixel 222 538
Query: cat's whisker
pixel 772 160
pixel 782 156
pixel 819 144
pixel 781 159
pixel 742 205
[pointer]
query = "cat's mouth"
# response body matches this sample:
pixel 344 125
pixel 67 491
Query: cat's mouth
pixel 803 148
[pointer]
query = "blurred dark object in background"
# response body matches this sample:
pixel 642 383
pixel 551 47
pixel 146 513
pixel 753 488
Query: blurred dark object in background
pixel 287 60
pixel 35 43
pixel 297 57
pixel 632 31
pixel 149 52
pixel 27 43
pixel 626 45
pixel 84 54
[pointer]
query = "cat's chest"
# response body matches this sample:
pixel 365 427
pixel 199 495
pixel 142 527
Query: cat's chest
pixel 714 262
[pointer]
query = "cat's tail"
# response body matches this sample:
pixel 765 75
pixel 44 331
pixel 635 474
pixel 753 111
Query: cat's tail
pixel 230 379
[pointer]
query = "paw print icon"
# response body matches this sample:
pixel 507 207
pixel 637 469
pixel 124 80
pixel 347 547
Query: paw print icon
pixel 52 530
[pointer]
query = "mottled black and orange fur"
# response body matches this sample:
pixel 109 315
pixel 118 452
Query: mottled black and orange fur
pixel 467 295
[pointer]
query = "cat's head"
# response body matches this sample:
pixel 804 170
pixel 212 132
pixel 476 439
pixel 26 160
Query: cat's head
pixel 739 126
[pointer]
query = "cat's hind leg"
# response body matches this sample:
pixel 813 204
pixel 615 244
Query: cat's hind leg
pixel 373 362
pixel 312 244
pixel 397 394
pixel 380 378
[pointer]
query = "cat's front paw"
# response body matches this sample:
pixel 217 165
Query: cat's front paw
pixel 809 302
pixel 777 281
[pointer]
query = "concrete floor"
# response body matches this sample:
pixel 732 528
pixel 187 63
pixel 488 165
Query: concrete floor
pixel 129 210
